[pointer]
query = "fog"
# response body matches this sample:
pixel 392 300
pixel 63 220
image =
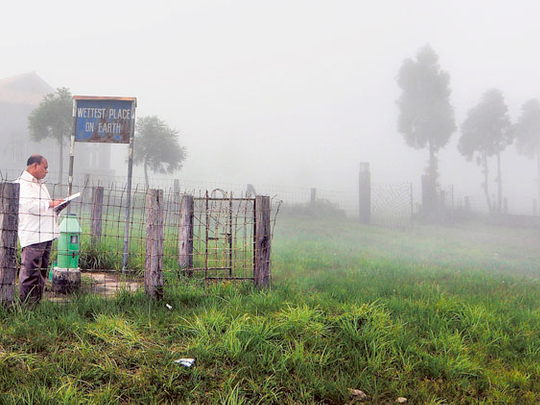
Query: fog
pixel 286 92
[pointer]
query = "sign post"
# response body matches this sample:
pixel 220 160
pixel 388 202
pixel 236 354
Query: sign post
pixel 105 120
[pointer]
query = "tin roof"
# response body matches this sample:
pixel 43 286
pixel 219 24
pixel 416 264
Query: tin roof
pixel 27 88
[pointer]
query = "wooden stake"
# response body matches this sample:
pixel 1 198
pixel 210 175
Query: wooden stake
pixel 263 238
pixel 9 222
pixel 96 215
pixel 364 194
pixel 153 274
pixel 185 243
pixel 313 197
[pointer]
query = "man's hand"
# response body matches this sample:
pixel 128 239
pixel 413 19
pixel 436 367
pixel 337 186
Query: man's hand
pixel 56 203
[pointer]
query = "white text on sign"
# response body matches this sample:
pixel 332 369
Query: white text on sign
pixel 111 113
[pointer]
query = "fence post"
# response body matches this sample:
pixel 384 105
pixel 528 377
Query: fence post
pixel 9 222
pixel 185 243
pixel 263 238
pixel 429 196
pixel 175 201
pixel 411 198
pixel 96 215
pixel 86 187
pixel 250 190
pixel 442 200
pixel 364 193
pixel 153 272
pixel 313 197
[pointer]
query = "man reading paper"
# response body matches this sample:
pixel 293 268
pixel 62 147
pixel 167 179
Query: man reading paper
pixel 38 227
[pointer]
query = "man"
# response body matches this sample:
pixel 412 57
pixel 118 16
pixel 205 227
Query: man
pixel 38 227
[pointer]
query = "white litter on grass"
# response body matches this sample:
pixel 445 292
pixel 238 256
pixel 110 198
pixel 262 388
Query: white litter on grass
pixel 185 362
pixel 169 307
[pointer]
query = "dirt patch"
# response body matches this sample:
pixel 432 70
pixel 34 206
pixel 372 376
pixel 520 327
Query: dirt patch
pixel 100 283
pixel 109 283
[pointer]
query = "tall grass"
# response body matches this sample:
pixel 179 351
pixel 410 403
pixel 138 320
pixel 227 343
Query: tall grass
pixel 432 315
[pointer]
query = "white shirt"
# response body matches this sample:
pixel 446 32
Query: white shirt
pixel 37 222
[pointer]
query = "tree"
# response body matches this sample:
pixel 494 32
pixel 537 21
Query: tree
pixel 53 119
pixel 426 117
pixel 527 133
pixel 156 147
pixel 486 132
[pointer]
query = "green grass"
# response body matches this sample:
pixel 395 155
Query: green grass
pixel 437 315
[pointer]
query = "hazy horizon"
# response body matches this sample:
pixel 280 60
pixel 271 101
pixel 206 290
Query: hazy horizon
pixel 293 93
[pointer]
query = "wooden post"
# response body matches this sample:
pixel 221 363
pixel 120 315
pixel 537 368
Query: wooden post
pixel 250 191
pixel 185 243
pixel 442 200
pixel 427 198
pixel 313 197
pixel 411 199
pixel 96 215
pixel 173 204
pixel 263 239
pixel 9 222
pixel 86 187
pixel 364 193
pixel 153 273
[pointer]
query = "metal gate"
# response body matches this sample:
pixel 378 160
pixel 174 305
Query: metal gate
pixel 224 237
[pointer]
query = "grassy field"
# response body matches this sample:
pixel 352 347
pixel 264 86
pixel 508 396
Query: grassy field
pixel 434 314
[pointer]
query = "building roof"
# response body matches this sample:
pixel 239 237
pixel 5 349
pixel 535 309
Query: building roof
pixel 28 89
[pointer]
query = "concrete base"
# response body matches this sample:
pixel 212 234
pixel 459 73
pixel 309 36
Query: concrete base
pixel 65 281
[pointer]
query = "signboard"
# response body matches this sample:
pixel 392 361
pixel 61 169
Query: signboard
pixel 109 120
pixel 103 119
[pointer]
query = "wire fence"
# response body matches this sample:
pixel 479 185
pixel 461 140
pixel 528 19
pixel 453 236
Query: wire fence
pixel 520 204
pixel 217 241
pixel 392 204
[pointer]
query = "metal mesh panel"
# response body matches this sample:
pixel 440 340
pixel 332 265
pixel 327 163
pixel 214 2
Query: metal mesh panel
pixel 391 205
pixel 223 237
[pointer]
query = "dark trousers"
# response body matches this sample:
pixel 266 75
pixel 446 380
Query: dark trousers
pixel 35 261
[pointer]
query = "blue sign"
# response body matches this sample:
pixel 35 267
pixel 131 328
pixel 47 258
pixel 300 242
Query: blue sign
pixel 106 120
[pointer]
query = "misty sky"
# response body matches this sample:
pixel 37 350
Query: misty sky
pixel 285 92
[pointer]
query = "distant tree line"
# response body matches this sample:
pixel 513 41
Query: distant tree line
pixel 426 120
